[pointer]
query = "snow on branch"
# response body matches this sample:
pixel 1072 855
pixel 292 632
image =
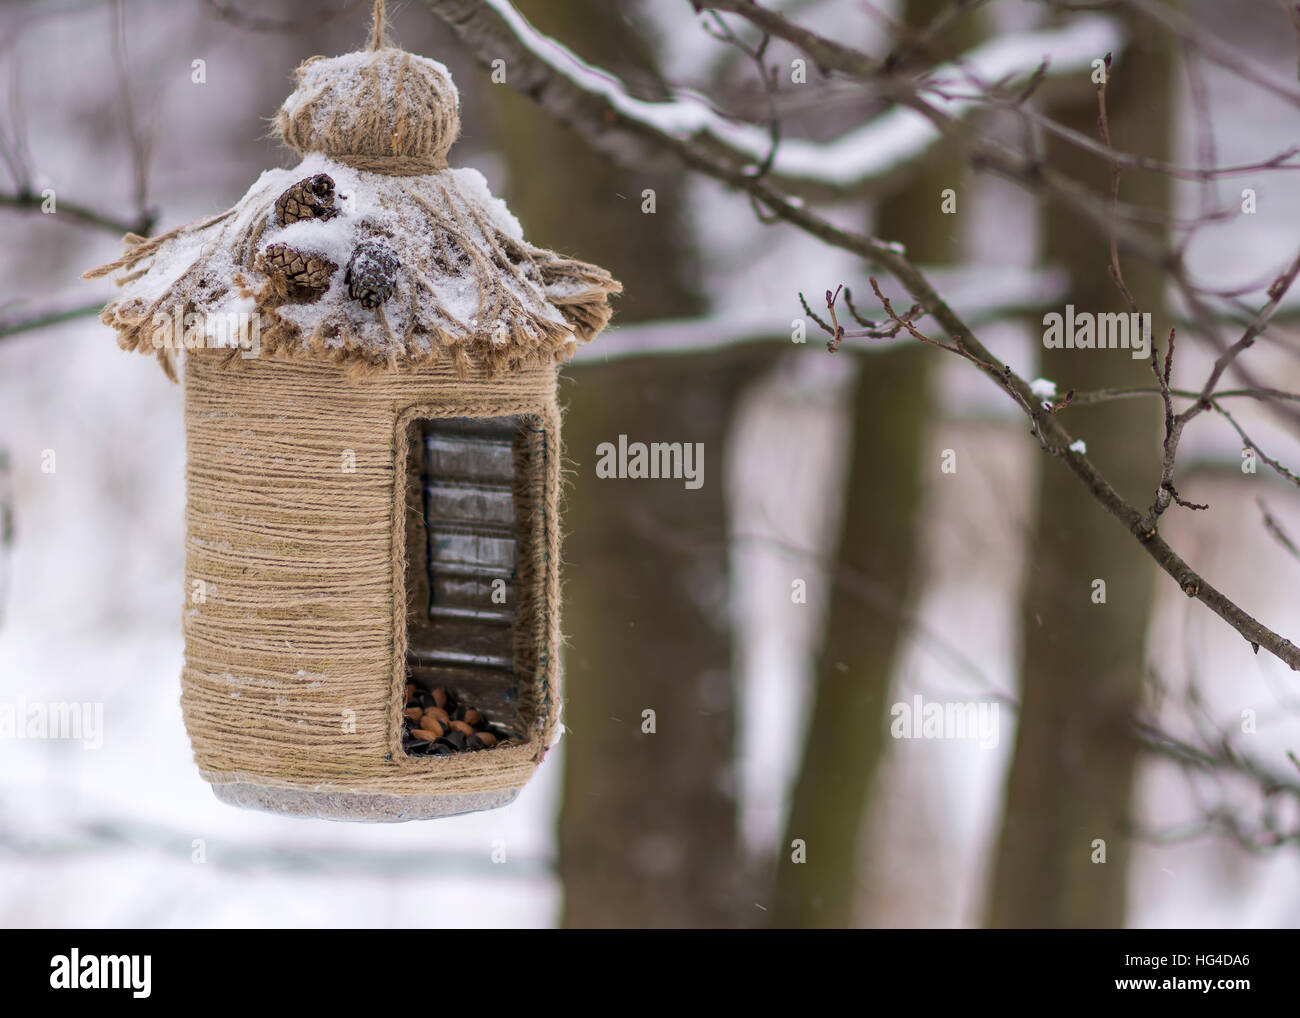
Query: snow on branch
pixel 882 145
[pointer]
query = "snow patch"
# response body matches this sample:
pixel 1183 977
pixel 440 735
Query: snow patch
pixel 438 284
pixel 1043 388
pixel 474 186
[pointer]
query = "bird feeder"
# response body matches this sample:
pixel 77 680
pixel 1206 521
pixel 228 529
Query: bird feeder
pixel 370 350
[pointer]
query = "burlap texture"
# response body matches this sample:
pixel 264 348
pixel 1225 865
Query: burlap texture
pixel 295 622
pixel 394 104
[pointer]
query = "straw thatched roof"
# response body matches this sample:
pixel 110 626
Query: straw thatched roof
pixel 467 287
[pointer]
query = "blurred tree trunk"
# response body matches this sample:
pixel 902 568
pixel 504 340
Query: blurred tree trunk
pixel 1072 774
pixel 647 829
pixel 849 718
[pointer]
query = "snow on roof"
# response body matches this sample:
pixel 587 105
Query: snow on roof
pixel 467 286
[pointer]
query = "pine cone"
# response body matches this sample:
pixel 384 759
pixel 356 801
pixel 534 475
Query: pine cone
pixel 372 273
pixel 310 198
pixel 299 267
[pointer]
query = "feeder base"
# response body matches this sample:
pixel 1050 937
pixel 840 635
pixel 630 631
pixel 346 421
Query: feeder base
pixel 359 806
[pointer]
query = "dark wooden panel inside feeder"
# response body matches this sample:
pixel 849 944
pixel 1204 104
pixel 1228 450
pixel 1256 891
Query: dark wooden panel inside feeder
pixel 469 542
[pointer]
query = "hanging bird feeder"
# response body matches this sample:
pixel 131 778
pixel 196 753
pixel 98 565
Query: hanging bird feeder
pixel 370 351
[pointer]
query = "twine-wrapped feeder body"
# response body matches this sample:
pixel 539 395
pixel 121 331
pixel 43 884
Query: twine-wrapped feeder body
pixel 371 618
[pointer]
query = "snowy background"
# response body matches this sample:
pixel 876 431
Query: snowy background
pixel 129 835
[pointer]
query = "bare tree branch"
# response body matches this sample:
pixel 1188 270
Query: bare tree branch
pixel 878 153
pixel 30 201
pixel 139 139
pixel 1275 530
pixel 1241 64
pixel 40 320
pixel 24 197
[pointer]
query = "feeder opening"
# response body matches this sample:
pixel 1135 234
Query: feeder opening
pixel 474 526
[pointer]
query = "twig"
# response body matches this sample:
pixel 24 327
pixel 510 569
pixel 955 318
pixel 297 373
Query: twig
pixel 139 140
pixel 872 330
pixel 813 315
pixel 29 201
pixel 827 54
pixel 12 326
pixel 25 198
pixel 1243 65
pixel 1273 464
pixel 1276 292
pixel 1103 124
pixel 1275 529
pixel 1293 13
pixel 14 150
pixel 1217 758
pixel 768 76
pixel 1106 395
pixel 848 303
pixel 1201 173
pixel 906 321
pixel 1174 423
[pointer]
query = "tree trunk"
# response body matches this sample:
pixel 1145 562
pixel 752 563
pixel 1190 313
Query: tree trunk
pixel 647 829
pixel 849 717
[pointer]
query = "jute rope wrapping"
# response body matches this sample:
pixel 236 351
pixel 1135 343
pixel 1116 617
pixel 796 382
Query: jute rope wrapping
pixel 295 656
pixel 405 125
pixel 295 627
